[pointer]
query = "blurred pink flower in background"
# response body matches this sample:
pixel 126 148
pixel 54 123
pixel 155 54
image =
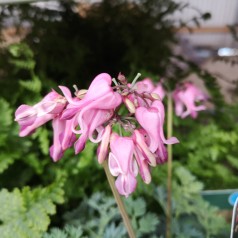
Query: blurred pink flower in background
pixel 186 97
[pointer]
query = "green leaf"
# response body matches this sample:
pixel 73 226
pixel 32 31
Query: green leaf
pixel 25 214
pixel 6 114
pixel 148 223
pixel 43 137
pixel 136 207
pixel 33 85
pixel 6 159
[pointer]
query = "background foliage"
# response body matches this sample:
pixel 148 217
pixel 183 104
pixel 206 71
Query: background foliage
pixel 111 36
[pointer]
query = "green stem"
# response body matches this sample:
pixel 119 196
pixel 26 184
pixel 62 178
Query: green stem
pixel 169 178
pixel 119 202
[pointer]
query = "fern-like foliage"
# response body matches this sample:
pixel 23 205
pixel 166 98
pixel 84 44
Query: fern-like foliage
pixel 67 232
pixel 22 148
pixel 144 223
pixel 23 59
pixel 213 155
pixel 34 84
pixel 25 213
pixel 22 56
pixel 192 216
pixel 101 219
pixel 7 157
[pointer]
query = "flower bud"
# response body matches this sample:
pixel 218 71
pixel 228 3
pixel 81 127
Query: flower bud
pixel 122 78
pixel 81 93
pixel 155 96
pixel 129 104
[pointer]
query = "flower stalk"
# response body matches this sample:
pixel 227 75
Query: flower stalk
pixel 119 201
pixel 169 177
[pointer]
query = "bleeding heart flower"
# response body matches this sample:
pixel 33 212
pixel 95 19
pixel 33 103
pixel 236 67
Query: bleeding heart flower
pixel 100 95
pixel 185 98
pixel 152 121
pixel 122 164
pixel 31 117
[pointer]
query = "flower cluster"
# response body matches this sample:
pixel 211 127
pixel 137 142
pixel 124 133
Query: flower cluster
pixel 93 115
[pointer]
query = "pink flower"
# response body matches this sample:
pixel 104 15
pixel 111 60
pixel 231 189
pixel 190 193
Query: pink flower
pixel 185 98
pixel 31 117
pixel 100 95
pixel 152 121
pixel 122 164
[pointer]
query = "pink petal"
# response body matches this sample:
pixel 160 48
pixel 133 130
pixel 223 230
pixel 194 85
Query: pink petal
pixel 68 136
pixel 149 120
pixel 100 117
pixel 27 130
pixel 79 145
pixel 143 166
pixel 159 105
pixel 103 150
pixel 45 107
pixel 126 184
pixel 56 151
pixel 114 165
pixel 100 86
pixel 122 148
pixel 162 154
pixel 67 94
pixel 144 148
pixel 25 115
pixel 145 85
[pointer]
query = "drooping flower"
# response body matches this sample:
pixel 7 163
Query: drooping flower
pixel 152 121
pixel 100 95
pixel 93 110
pixel 122 164
pixel 186 97
pixel 31 117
